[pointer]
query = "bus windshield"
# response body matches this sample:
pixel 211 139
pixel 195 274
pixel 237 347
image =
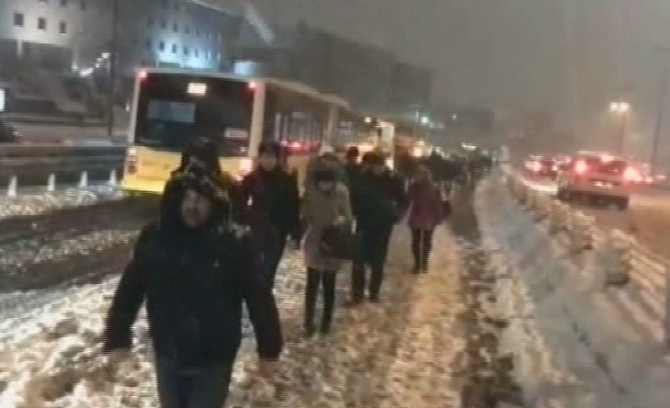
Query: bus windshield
pixel 175 108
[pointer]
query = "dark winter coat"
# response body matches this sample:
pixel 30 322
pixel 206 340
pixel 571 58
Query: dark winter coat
pixel 381 200
pixel 272 201
pixel 426 206
pixel 354 173
pixel 194 283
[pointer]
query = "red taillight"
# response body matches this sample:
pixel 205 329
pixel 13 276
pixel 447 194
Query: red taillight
pixel 632 175
pixel 581 167
pixel 535 166
pixel 142 75
pixel 252 86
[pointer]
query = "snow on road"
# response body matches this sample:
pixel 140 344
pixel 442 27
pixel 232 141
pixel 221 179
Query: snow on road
pixel 399 353
pixel 41 202
pixel 577 343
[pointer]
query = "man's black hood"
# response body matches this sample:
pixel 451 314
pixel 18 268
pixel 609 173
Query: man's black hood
pixel 201 181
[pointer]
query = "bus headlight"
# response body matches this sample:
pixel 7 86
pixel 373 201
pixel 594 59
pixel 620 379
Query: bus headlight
pixel 246 166
pixel 131 161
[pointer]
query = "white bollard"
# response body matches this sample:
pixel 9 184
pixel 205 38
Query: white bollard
pixel 51 183
pixel 13 187
pixel 618 263
pixel 83 179
pixel 112 178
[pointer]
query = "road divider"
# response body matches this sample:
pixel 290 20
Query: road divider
pixel 620 259
pixel 22 166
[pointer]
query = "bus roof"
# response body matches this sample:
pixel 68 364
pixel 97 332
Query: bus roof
pixel 288 85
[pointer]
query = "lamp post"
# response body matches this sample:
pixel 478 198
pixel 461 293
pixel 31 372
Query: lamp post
pixel 622 110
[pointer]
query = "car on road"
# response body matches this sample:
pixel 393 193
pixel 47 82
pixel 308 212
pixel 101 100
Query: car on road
pixel 598 178
pixel 542 166
pixel 8 133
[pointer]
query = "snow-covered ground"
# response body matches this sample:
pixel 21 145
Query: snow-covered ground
pixel 578 344
pixel 37 202
pixel 400 353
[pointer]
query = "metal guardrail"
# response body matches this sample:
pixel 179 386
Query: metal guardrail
pixel 61 151
pixel 34 165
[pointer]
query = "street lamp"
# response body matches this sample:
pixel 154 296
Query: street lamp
pixel 621 109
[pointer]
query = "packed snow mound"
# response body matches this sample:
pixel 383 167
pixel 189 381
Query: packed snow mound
pixel 578 343
pixel 400 353
pixel 39 203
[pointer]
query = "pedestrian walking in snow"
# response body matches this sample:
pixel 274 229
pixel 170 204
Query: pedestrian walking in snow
pixel 381 203
pixel 326 206
pixel 426 212
pixel 195 269
pixel 272 206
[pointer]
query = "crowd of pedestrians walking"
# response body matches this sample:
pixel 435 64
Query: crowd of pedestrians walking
pixel 217 244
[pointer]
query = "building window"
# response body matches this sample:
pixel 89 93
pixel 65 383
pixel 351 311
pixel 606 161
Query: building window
pixel 187 30
pixel 174 48
pixel 63 3
pixel 62 28
pixel 175 27
pixel 163 24
pixel 82 5
pixel 186 51
pixel 18 20
pixel 162 46
pixel 42 23
pixel 147 43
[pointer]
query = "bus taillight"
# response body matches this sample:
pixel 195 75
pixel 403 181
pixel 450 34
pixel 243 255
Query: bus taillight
pixel 252 86
pixel 142 75
pixel 131 161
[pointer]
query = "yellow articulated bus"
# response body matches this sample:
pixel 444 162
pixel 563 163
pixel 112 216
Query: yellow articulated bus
pixel 173 106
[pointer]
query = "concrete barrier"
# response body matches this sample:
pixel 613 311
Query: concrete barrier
pixel 601 316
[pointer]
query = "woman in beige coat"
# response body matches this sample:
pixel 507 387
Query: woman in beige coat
pixel 326 204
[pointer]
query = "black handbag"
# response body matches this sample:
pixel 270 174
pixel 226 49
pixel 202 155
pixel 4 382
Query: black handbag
pixel 339 243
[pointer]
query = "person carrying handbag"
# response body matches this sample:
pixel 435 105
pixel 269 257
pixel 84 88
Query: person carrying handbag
pixel 326 206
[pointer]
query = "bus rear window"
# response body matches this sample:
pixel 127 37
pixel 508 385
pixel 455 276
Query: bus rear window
pixel 170 114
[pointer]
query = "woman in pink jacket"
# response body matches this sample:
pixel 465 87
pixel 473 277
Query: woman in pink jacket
pixel 426 212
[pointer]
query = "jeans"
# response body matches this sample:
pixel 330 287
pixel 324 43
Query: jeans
pixel 273 250
pixel 314 280
pixel 197 388
pixel 373 244
pixel 422 245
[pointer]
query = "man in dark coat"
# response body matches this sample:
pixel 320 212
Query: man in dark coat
pixel 381 202
pixel 273 206
pixel 194 269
